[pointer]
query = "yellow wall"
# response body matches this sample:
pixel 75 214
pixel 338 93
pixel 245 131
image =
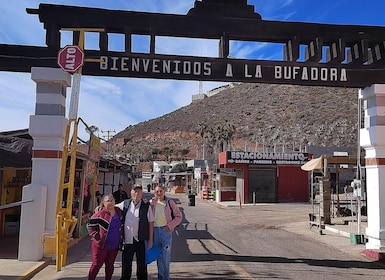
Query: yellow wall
pixel 12 191
pixel 8 173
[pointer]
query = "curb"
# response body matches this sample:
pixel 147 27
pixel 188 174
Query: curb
pixel 338 231
pixel 35 269
pixel 374 254
pixel 45 262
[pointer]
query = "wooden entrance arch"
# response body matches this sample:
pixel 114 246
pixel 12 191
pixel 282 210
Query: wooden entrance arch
pixel 334 55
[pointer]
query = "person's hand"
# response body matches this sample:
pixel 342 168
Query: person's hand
pixel 150 243
pixel 166 228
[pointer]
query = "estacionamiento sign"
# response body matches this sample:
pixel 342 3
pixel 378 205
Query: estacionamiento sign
pixel 267 158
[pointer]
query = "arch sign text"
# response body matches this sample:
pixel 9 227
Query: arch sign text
pixel 334 55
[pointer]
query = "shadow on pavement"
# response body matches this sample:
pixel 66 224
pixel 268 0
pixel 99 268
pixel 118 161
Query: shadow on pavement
pixel 9 246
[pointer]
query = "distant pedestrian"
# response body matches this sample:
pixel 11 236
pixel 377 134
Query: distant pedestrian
pixel 99 201
pixel 98 196
pixel 120 194
pixel 167 217
pixel 104 228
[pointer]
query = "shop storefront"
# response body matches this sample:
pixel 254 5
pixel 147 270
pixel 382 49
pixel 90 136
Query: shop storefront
pixel 259 177
pixel 15 172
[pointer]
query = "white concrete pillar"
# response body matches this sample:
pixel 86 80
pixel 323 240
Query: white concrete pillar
pixel 47 128
pixel 372 138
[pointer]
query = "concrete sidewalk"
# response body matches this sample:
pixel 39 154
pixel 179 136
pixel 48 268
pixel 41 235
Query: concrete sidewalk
pixel 337 236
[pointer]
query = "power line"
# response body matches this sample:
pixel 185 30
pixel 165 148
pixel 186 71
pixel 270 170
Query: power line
pixel 109 136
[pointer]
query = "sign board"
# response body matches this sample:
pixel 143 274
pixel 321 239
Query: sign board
pixel 267 158
pixel 70 58
pixel 314 54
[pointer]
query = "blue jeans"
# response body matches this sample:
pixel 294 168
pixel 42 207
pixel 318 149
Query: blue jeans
pixel 163 240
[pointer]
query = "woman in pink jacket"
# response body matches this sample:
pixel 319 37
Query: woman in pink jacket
pixel 105 231
pixel 167 217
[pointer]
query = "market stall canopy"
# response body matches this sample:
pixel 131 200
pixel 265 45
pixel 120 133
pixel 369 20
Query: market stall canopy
pixel 313 164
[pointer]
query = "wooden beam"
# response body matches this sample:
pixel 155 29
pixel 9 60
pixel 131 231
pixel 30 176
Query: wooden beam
pixel 152 42
pixel 313 51
pixel 205 27
pixel 53 36
pixel 224 48
pixel 103 41
pixel 127 40
pixel 377 54
pixel 341 160
pixel 336 52
pixel 75 37
pixel 359 52
pixel 291 49
pixel 17 58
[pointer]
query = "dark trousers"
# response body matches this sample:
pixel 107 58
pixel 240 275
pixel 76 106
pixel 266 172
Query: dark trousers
pixel 138 249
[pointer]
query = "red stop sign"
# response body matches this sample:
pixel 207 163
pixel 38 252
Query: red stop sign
pixel 70 58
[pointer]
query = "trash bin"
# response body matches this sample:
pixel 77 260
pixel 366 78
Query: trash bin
pixel 191 200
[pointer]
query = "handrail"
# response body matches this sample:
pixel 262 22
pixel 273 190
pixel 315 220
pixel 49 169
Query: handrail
pixel 13 204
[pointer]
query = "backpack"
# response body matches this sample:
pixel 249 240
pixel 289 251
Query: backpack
pixel 172 212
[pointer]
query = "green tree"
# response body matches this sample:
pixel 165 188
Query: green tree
pixel 202 129
pixel 179 167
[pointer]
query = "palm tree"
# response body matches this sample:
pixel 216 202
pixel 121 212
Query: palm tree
pixel 224 134
pixel 202 129
pixel 211 141
pixel 230 130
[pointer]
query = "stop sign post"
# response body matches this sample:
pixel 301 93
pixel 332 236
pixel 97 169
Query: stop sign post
pixel 70 58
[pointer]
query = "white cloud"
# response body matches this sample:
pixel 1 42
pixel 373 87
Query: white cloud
pixel 17 100
pixel 100 86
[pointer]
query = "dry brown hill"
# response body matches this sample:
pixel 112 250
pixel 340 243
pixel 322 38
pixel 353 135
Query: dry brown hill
pixel 274 114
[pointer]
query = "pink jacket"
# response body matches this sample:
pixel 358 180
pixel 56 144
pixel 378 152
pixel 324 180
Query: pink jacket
pixel 171 223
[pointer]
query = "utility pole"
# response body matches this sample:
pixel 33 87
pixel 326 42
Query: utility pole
pixel 109 131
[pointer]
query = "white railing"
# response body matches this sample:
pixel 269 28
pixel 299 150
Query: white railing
pixel 13 204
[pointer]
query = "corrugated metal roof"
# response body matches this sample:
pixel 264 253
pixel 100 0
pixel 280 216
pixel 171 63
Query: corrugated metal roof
pixel 15 152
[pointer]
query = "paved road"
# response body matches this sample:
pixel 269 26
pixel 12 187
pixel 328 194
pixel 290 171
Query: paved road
pixel 265 241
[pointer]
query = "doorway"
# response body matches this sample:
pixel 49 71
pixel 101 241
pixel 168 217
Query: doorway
pixel 262 185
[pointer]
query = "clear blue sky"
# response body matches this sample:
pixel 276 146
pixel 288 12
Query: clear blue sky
pixel 114 103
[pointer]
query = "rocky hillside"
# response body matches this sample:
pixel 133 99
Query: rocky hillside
pixel 260 114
